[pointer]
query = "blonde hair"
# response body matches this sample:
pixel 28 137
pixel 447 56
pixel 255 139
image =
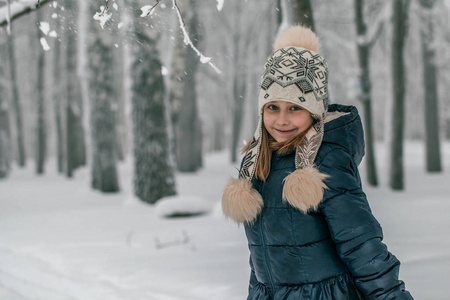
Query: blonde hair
pixel 268 145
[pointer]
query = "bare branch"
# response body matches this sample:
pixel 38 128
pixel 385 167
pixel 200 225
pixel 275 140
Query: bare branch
pixel 105 9
pixel 188 41
pixel 150 10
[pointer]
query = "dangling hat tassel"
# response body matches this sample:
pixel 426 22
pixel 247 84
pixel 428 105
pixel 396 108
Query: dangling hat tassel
pixel 304 188
pixel 240 201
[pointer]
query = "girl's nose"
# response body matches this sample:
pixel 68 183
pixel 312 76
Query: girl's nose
pixel 282 118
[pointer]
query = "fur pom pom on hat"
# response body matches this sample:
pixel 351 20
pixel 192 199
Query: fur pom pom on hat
pixel 297 36
pixel 294 73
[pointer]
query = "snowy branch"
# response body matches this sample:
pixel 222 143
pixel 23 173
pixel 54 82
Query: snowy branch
pixel 18 9
pixel 147 10
pixel 188 41
pixel 105 8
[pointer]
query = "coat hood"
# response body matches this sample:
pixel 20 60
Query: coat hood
pixel 343 127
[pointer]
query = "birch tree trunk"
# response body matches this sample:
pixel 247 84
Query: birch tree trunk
pixel 41 136
pixel 430 80
pixel 153 173
pixel 101 94
pixel 399 32
pixel 365 92
pixel 15 99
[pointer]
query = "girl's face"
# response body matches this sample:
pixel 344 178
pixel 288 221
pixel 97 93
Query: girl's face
pixel 284 120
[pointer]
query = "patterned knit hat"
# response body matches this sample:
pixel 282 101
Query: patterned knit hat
pixel 294 73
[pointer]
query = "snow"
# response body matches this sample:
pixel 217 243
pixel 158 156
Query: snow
pixel 44 44
pixel 103 16
pixel 182 205
pixel 44 27
pixel 220 5
pixel 147 10
pixel 61 240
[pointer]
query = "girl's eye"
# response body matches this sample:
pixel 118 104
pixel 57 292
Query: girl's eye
pixel 272 107
pixel 296 108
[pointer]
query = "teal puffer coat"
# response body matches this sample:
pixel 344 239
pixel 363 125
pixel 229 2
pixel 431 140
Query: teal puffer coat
pixel 335 252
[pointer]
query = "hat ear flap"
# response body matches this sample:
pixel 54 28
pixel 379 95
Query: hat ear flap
pixel 304 188
pixel 240 201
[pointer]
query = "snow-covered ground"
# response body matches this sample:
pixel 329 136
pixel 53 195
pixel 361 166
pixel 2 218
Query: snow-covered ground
pixel 61 240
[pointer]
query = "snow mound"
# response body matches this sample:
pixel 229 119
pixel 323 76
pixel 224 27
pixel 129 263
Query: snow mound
pixel 181 206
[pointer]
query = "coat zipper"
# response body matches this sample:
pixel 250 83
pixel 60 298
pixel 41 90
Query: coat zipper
pixel 266 254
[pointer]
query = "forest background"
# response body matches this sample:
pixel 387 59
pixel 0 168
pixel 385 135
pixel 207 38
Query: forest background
pixel 91 85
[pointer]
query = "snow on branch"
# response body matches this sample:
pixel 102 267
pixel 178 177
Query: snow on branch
pixel 148 10
pixel 188 41
pixel 103 15
pixel 14 10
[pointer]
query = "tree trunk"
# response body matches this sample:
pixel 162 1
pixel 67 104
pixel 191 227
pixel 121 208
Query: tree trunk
pixel 297 12
pixel 101 93
pixel 5 135
pixel 365 92
pixel 239 86
pixel 183 95
pixel 21 156
pixel 399 32
pixel 427 34
pixel 153 174
pixel 74 140
pixel 41 136
pixel 57 99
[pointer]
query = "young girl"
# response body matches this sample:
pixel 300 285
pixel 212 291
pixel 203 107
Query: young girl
pixel 310 230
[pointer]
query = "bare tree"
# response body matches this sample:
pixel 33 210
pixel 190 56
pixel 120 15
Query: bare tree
pixel 430 80
pixel 101 94
pixel 75 153
pixel 41 135
pixel 239 51
pixel 57 94
pixel 399 33
pixel 153 173
pixel 5 144
pixel 364 47
pixel 183 96
pixel 15 99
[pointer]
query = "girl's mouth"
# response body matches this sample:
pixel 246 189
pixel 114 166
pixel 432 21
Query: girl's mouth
pixel 284 131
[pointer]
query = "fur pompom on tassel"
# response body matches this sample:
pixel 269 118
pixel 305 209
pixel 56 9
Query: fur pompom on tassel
pixel 240 201
pixel 304 188
pixel 297 36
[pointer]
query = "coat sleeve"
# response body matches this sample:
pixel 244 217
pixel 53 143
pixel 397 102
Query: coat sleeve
pixel 355 231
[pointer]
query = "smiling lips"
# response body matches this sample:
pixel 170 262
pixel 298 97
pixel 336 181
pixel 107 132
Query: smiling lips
pixel 284 131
